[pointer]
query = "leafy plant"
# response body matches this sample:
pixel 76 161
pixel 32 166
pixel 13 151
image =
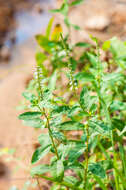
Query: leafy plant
pixel 81 100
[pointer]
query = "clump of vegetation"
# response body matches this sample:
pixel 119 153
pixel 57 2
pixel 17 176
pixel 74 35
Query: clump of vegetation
pixel 80 98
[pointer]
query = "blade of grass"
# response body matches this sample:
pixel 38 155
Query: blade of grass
pixel 123 158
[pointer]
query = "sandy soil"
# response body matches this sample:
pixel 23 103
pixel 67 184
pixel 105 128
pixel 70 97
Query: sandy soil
pixel 12 133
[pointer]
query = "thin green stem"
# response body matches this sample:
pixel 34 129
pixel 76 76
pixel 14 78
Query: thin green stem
pixel 50 134
pixel 86 158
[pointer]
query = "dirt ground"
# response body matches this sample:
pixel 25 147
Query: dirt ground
pixel 12 133
pixel 101 18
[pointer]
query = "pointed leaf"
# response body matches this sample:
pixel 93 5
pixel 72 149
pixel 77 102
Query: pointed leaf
pixel 97 169
pixel 36 123
pixel 82 44
pixel 44 139
pixel 40 153
pixel 76 2
pixel 39 170
pixel 52 81
pixel 57 170
pixel 48 29
pixel 84 77
pixel 71 125
pixel 84 98
pixel 29 115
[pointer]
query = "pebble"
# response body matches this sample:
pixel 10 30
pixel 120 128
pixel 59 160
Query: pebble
pixel 97 22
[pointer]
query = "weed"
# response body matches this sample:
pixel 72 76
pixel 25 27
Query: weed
pixel 85 117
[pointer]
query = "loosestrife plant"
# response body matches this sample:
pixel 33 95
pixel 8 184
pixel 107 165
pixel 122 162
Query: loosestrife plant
pixel 80 98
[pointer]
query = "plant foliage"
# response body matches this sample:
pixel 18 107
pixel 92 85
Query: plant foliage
pixel 81 100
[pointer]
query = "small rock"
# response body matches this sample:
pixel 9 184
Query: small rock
pixel 97 22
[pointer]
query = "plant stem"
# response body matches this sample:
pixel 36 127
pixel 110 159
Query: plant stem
pixel 47 119
pixel 86 167
pixel 50 134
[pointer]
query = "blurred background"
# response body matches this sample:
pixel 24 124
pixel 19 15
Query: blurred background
pixel 20 20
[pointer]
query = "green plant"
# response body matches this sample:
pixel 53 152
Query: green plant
pixel 81 100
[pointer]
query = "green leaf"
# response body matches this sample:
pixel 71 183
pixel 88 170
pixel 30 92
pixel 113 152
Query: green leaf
pixel 107 164
pixel 94 39
pixel 84 98
pixel 114 77
pixel 48 29
pixel 82 44
pixel 100 127
pixel 40 153
pixel 76 150
pixel 118 124
pixel 44 42
pixel 117 105
pixel 36 123
pixel 44 139
pixel 84 77
pixel 58 135
pixel 60 170
pixel 54 10
pixel 46 104
pixel 64 9
pixel 93 59
pixel 29 115
pixel 97 169
pixel 40 58
pixel 56 120
pixel 106 45
pixel 39 170
pixel 74 110
pixel 71 125
pixel 71 179
pixel 118 48
pixel 57 170
pixel 29 96
pixel 52 81
pixel 60 109
pixel 76 2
